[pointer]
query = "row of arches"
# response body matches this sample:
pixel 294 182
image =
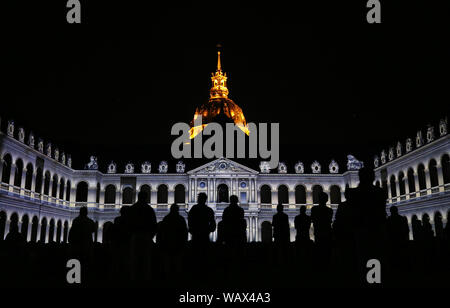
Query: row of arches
pixel 300 194
pixel 34 230
pixel 44 183
pixel 419 181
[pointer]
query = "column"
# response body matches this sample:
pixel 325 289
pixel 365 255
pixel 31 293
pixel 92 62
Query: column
pixel 427 180
pixel 309 196
pixel 406 186
pixel 440 176
pixel 12 174
pixel 416 183
pixel 22 182
pixel 1 169
pixel 50 188
pixel 195 189
pixel 291 198
pixel 214 190
pixel 118 194
pixel 274 197
pixel 33 184
pixel 397 188
pixel 171 196
pixel 58 187
pixel 102 200
pixel 389 191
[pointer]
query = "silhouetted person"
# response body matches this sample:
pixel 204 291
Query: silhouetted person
pixel 80 239
pixel 120 252
pixel 321 217
pixel 397 226
pixel 173 238
pixel 234 223
pixel 174 231
pixel 343 220
pixel 302 225
pixel 14 236
pixel 427 229
pixel 280 224
pixel 201 221
pixel 82 229
pixel 417 230
pixel 143 228
pixel 369 206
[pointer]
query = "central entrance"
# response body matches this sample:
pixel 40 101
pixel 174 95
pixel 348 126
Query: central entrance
pixel 222 193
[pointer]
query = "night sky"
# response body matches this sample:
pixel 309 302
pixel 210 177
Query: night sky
pixel 114 85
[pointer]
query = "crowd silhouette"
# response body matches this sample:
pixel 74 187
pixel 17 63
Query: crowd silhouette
pixel 360 230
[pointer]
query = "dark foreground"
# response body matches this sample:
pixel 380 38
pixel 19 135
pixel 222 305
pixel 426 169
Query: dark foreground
pixel 255 265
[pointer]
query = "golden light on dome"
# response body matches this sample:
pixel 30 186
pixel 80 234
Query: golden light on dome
pixel 218 102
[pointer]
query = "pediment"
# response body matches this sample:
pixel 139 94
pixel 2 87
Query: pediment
pixel 222 166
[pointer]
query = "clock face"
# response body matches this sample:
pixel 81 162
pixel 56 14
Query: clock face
pixel 223 166
pixel 202 184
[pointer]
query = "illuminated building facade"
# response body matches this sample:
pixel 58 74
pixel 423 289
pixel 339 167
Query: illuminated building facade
pixel 41 191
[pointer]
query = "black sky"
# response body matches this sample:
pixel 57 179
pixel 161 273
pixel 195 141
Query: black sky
pixel 114 85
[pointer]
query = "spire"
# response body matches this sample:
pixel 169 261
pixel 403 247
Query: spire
pixel 219 68
pixel 219 82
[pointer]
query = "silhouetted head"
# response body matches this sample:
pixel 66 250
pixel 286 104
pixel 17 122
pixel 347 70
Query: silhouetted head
pixel 83 211
pixel 323 198
pixel 280 208
pixel 124 210
pixel 202 197
pixel 303 209
pixel 425 218
pixel 394 210
pixel 366 176
pixel 174 208
pixel 142 196
pixel 234 199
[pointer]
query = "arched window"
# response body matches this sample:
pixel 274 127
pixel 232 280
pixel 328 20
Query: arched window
pixel 162 194
pixel 55 186
pixel 65 232
pixel 19 172
pixel 2 225
pixel 82 192
pixel 222 193
pixel 24 227
pixel 401 184
pixel 180 194
pixel 283 194
pixel 411 181
pixel 47 183
pixel 43 230
pixel 110 194
pixel 393 187
pixel 317 189
pixel 421 176
pixel 97 193
pixel 266 194
pixel 58 231
pixel 13 222
pixel 445 165
pixel 68 188
pixel 335 194
pixel 438 225
pixel 300 194
pixel 146 188
pixel 128 195
pixel 34 229
pixel 51 231
pixel 38 187
pixel 61 188
pixel 29 176
pixel 433 175
pixel 7 163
